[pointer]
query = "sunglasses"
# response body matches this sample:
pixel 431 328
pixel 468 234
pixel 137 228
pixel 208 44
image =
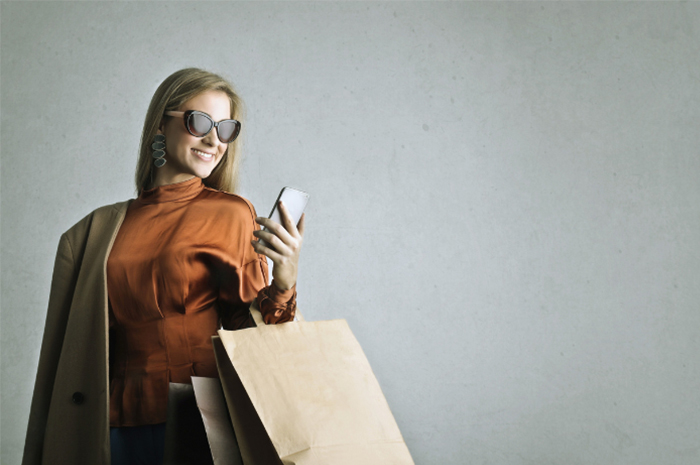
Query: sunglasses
pixel 199 124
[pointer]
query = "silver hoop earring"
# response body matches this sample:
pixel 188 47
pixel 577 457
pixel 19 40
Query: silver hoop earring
pixel 158 147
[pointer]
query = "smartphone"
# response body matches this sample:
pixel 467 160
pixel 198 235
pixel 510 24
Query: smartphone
pixel 295 201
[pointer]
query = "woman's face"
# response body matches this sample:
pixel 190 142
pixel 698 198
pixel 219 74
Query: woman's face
pixel 186 155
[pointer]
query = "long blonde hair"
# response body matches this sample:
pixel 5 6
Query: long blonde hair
pixel 175 90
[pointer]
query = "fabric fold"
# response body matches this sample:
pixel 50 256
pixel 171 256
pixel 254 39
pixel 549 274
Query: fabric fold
pixel 182 266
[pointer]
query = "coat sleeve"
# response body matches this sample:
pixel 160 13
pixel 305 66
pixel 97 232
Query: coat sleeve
pixel 60 297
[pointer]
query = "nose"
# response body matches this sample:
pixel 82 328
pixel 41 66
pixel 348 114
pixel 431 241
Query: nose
pixel 212 139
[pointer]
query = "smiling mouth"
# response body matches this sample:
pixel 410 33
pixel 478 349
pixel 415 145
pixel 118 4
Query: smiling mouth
pixel 203 155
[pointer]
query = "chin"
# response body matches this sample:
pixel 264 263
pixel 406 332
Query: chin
pixel 202 170
pixel 204 173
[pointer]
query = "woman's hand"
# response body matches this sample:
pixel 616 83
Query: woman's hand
pixel 285 240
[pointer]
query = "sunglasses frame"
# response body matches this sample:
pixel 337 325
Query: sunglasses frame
pixel 186 116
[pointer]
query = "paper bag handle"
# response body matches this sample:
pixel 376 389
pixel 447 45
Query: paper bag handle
pixel 255 313
pixel 257 316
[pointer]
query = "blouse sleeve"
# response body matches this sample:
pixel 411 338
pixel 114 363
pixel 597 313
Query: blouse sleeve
pixel 239 285
pixel 276 305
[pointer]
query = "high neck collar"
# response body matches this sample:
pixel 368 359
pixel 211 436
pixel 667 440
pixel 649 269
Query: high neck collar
pixel 178 191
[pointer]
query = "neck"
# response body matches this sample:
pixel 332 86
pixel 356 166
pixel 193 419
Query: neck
pixel 163 178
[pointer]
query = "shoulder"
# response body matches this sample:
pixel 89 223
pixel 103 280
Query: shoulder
pixel 233 205
pixel 105 215
pixel 231 216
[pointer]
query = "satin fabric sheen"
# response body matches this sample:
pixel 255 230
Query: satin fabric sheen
pixel 181 267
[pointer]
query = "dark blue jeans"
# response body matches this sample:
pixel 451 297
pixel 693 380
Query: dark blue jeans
pixel 137 445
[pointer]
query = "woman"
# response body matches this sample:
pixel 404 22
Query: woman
pixel 181 261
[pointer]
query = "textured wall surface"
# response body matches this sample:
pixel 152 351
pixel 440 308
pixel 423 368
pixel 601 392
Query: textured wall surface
pixel 505 199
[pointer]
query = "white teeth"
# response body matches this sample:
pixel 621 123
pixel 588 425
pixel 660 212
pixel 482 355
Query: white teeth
pixel 203 154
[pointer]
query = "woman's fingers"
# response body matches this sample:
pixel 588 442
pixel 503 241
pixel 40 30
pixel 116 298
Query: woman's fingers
pixel 268 252
pixel 287 223
pixel 300 226
pixel 286 239
pixel 276 229
pixel 287 220
pixel 286 232
pixel 291 228
pixel 276 243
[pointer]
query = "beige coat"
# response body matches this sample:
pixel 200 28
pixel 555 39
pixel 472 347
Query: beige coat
pixel 69 416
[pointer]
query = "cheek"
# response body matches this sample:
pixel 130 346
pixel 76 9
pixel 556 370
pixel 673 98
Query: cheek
pixel 176 143
pixel 171 141
pixel 219 159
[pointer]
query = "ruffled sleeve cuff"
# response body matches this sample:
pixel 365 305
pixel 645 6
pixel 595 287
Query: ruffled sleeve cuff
pixel 276 305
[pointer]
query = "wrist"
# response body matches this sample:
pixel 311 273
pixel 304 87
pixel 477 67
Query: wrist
pixel 280 296
pixel 282 286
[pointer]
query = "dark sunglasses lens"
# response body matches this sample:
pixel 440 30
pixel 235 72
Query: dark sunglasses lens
pixel 199 125
pixel 228 130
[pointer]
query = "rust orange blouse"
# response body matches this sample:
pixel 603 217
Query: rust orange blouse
pixel 181 267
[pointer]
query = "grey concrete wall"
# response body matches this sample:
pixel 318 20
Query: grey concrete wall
pixel 505 199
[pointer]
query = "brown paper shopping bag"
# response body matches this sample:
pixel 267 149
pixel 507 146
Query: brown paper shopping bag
pixel 217 424
pixel 303 393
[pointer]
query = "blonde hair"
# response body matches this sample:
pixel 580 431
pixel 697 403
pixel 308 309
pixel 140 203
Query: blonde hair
pixel 174 91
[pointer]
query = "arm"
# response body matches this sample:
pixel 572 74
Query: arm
pixel 238 289
pixel 239 285
pixel 275 304
pixel 286 239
